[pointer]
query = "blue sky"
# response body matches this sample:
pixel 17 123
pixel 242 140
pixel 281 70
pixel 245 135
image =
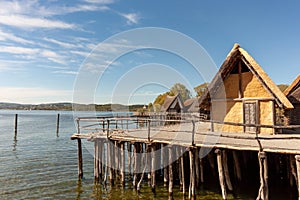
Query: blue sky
pixel 43 44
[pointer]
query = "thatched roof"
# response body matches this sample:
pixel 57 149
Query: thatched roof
pixel 192 105
pixel 293 91
pixel 237 53
pixel 171 102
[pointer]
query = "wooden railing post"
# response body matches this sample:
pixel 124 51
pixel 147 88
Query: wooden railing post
pixel 107 133
pixel 57 124
pixel 149 130
pixel 78 125
pixel 193 133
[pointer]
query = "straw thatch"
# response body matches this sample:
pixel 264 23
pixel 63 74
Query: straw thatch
pixel 293 94
pixel 237 53
pixel 192 105
pixel 293 91
pixel 172 104
pixel 241 82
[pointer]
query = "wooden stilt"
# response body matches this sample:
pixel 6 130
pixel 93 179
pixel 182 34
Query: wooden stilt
pixel 221 173
pixel 182 170
pixel 170 171
pixel 153 168
pixel 263 193
pixel 96 160
pixel 165 163
pixel 122 163
pixel 297 158
pixel 100 154
pixel 145 167
pixel 237 168
pixel 226 170
pixel 293 170
pixel 106 160
pixel 192 173
pixel 110 160
pixel 80 166
pixel 197 167
pixel 178 155
pixel 136 163
pixel 201 170
pixel 129 157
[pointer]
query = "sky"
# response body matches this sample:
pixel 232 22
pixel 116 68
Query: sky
pixel 46 45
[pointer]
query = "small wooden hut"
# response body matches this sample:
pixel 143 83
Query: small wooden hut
pixel 172 104
pixel 293 94
pixel 242 94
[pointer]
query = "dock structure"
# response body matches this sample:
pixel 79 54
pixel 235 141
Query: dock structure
pixel 182 147
pixel 243 126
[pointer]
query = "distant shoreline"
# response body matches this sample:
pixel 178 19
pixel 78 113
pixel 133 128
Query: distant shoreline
pixel 70 106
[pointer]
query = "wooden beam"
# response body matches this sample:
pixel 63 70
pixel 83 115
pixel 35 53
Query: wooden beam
pixel 263 193
pixel 80 165
pixel 240 79
pixel 221 173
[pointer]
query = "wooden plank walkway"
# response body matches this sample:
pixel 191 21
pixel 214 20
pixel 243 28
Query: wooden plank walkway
pixel 181 134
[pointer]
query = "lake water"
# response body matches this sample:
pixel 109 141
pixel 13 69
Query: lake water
pixel 40 165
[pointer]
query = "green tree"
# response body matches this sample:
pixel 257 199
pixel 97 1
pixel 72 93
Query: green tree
pixel 179 88
pixel 200 89
pixel 160 99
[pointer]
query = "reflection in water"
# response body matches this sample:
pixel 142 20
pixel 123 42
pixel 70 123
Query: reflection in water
pixel 79 189
pixel 15 144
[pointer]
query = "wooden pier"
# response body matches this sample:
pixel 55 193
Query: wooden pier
pixel 185 147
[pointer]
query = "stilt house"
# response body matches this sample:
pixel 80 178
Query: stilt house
pixel 293 94
pixel 242 94
pixel 172 104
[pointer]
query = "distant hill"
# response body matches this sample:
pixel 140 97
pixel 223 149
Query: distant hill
pixel 69 106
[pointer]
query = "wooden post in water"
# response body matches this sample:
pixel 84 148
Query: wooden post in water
pixel 122 162
pixel 197 167
pixel 170 171
pixel 165 163
pixel 263 193
pixel 297 158
pixel 221 173
pixel 96 160
pixel 153 168
pixel 80 171
pixel 237 166
pixel 182 169
pixel 16 126
pixel 226 170
pixel 57 124
pixel 192 174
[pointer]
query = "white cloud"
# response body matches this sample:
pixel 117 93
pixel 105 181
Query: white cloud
pixel 70 72
pixel 22 21
pixel 18 50
pixel 34 95
pixel 63 44
pixel 132 18
pixel 9 36
pixel 53 56
pixel 100 1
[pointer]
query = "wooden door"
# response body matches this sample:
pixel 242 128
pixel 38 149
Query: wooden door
pixel 250 116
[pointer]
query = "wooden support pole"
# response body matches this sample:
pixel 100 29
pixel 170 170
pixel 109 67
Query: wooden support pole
pixel 197 167
pixel 136 151
pixel 297 158
pixel 57 124
pixel 178 155
pixel 221 173
pixel 165 163
pixel 129 147
pixel 153 168
pixel 96 160
pixel 110 162
pixel 122 161
pixel 80 166
pixel 201 171
pixel 182 169
pixel 170 171
pixel 237 167
pixel 16 126
pixel 145 167
pixel 192 190
pixel 100 154
pixel 293 171
pixel 263 193
pixel 226 170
